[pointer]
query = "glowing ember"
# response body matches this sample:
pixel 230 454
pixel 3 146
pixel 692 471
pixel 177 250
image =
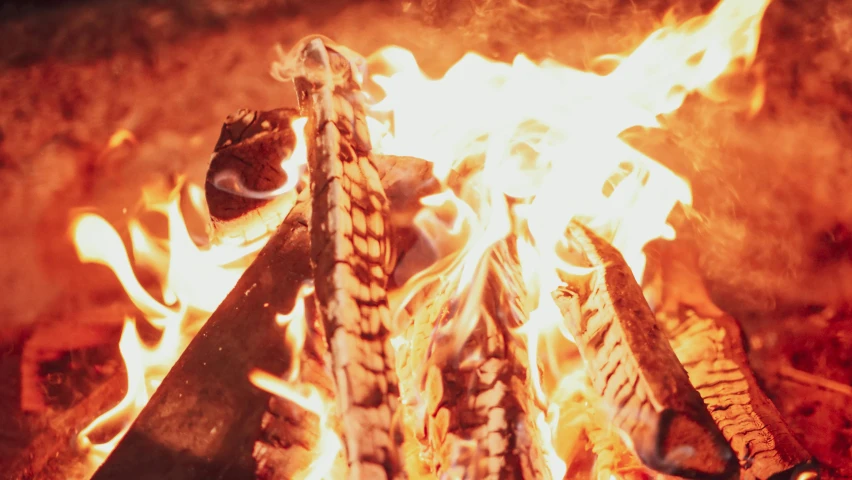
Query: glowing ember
pixel 544 143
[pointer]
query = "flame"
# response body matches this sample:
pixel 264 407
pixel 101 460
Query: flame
pixel 193 279
pixel 544 144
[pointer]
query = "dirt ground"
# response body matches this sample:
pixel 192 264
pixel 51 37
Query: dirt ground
pixel 74 73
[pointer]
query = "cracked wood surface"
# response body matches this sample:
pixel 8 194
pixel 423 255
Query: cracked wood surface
pixel 479 412
pixel 288 441
pixel 633 367
pixel 712 349
pixel 203 420
pixel 351 260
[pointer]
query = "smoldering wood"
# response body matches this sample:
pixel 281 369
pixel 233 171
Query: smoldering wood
pixel 250 150
pixel 479 411
pixel 351 253
pixel 711 347
pixel 634 369
pixel 712 351
pixel 288 432
pixel 288 445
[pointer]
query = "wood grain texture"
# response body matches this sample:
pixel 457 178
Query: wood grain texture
pixel 479 410
pixel 634 369
pixel 711 346
pixel 352 258
pixel 713 353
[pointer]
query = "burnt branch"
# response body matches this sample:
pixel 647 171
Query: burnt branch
pixel 351 256
pixel 634 369
pixel 479 410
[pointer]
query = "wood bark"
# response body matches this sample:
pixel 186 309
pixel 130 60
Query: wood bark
pixel 479 419
pixel 351 254
pixel 634 369
pixel 712 349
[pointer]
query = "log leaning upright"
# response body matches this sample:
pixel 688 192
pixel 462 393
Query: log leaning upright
pixel 351 258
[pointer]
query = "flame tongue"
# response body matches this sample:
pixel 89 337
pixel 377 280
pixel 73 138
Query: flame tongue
pixel 524 149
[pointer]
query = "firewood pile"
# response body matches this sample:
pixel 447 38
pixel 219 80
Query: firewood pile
pixel 670 390
pixel 678 388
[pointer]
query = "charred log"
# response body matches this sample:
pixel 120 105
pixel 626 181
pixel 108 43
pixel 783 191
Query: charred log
pixel 246 164
pixel 711 347
pixel 633 367
pixel 352 258
pixel 203 419
pixel 479 409
pixel 290 435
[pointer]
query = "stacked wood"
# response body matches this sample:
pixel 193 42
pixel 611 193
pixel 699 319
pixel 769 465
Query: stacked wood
pixel 204 419
pixel 634 369
pixel 351 259
pixel 711 347
pixel 479 419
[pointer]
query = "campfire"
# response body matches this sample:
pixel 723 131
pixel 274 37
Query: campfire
pixel 416 277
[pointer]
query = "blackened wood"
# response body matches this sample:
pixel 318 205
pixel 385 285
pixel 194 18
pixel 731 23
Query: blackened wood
pixel 351 254
pixel 250 149
pixel 711 346
pixel 289 433
pixel 204 418
pixel 633 367
pixel 479 411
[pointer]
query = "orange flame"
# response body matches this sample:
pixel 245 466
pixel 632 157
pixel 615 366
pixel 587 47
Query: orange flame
pixel 546 140
pixel 194 280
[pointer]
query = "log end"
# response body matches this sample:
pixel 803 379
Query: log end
pixel 689 448
pixel 247 158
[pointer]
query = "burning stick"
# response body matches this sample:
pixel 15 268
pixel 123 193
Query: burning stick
pixel 632 366
pixel 351 256
pixel 710 346
pixel 479 411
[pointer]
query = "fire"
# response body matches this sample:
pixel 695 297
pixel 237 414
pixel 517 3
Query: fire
pixel 545 143
pixel 194 278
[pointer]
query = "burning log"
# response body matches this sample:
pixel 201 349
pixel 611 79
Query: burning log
pixel 352 259
pixel 290 435
pixel 479 409
pixel 204 419
pixel 710 345
pixel 633 367
pixel 245 171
